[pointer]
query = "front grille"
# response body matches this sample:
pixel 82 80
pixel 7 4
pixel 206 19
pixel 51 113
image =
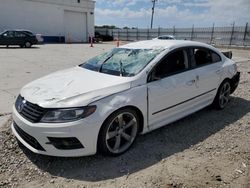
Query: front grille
pixel 27 138
pixel 29 111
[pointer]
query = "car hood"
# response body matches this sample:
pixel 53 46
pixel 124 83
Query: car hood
pixel 73 87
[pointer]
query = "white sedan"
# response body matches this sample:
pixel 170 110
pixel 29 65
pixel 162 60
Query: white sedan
pixel 104 103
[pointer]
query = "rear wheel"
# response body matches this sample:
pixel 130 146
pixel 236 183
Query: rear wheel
pixel 28 44
pixel 119 132
pixel 223 95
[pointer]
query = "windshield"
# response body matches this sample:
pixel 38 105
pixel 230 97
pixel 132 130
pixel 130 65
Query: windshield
pixel 122 61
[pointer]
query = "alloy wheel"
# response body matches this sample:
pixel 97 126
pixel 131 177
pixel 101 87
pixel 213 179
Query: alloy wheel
pixel 121 132
pixel 224 95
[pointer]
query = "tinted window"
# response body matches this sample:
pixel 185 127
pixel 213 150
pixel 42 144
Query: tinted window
pixel 202 56
pixel 215 57
pixel 173 63
pixel 19 34
pixel 9 34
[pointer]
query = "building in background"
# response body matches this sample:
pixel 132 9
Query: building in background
pixel 56 20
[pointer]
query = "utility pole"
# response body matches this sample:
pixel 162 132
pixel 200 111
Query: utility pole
pixel 153 11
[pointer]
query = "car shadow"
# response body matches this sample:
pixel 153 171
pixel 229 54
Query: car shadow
pixel 149 149
pixel 18 47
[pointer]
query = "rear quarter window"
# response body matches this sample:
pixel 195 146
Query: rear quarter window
pixel 215 57
pixel 203 56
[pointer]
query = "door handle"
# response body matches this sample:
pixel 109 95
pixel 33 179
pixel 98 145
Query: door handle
pixel 197 78
pixel 191 82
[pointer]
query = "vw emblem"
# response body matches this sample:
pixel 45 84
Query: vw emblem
pixel 21 106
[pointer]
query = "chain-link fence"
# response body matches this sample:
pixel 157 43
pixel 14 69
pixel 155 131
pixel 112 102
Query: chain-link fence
pixel 232 36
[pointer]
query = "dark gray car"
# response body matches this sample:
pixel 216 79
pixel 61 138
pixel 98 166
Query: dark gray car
pixel 15 37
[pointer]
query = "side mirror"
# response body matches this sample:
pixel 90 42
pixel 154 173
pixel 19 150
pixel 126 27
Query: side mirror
pixel 155 78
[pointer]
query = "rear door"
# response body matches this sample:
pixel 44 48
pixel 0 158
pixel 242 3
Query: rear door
pixel 20 38
pixel 208 68
pixel 171 87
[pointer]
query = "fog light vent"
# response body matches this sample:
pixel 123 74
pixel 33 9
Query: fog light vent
pixel 65 143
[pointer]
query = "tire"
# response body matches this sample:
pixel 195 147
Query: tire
pixel 27 44
pixel 223 95
pixel 118 132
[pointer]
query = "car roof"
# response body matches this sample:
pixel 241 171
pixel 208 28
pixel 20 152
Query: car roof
pixel 164 44
pixel 166 36
pixel 19 30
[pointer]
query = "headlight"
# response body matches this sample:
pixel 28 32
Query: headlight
pixel 67 115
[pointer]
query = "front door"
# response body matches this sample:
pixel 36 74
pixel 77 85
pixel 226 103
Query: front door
pixel 4 38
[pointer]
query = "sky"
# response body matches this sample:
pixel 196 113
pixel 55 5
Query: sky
pixel 169 13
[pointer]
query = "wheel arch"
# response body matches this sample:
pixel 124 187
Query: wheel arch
pixel 136 109
pixel 230 82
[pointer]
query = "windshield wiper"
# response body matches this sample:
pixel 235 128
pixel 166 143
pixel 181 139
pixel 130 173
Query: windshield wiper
pixel 100 69
pixel 122 70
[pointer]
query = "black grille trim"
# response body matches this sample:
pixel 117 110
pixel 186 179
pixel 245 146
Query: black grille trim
pixel 28 110
pixel 67 143
pixel 27 138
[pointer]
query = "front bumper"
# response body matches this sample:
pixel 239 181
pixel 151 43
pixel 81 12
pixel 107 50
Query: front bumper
pixel 235 82
pixel 37 136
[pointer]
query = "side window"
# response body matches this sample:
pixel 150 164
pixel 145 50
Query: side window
pixel 19 34
pixel 172 63
pixel 9 34
pixel 215 57
pixel 202 56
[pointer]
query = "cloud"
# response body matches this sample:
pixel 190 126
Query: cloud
pixel 173 12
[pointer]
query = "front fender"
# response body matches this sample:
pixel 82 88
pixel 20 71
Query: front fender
pixel 136 96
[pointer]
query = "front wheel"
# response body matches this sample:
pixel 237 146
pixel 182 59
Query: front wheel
pixel 222 96
pixel 118 132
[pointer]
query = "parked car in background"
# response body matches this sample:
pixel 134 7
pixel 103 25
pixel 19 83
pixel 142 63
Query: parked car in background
pixel 165 37
pixel 17 37
pixel 99 37
pixel 39 37
pixel 104 103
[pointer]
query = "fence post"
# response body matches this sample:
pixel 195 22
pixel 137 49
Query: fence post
pixel 127 34
pixel 245 34
pixel 118 34
pixel 192 33
pixel 137 33
pixel 231 38
pixel 212 34
pixel 159 31
pixel 148 34
pixel 174 30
